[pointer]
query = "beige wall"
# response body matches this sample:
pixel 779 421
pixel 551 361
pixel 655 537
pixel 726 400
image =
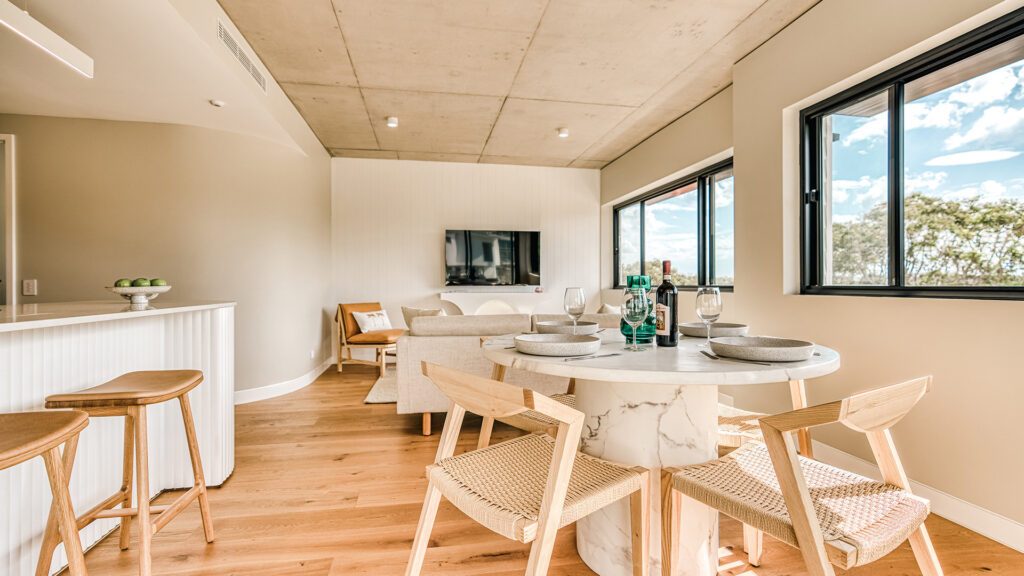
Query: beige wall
pixel 390 217
pixel 699 138
pixel 954 440
pixel 221 216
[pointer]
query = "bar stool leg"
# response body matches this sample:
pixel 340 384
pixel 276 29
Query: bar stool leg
pixel 66 520
pixel 138 414
pixel 197 466
pixel 127 476
pixel 51 537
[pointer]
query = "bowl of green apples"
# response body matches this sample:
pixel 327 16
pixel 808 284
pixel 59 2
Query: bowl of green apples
pixel 140 290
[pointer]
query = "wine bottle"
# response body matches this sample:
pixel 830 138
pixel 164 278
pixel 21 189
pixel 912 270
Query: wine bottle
pixel 666 309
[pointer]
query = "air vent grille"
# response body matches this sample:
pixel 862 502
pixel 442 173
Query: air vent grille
pixel 235 48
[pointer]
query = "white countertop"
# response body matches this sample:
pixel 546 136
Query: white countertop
pixel 45 315
pixel 656 365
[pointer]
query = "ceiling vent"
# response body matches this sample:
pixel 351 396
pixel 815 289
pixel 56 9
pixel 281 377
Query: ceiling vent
pixel 240 55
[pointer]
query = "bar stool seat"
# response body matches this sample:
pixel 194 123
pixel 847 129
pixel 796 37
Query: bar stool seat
pixel 131 389
pixel 129 395
pixel 25 435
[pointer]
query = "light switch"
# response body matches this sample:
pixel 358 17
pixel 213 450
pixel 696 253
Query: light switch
pixel 30 287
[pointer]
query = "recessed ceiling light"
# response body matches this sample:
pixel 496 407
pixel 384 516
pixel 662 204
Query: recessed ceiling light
pixel 563 132
pixel 392 121
pixel 217 103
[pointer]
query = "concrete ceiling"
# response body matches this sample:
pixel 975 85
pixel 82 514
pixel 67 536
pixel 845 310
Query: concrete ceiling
pixel 493 80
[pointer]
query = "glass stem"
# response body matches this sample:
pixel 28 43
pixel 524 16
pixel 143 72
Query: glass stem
pixel 708 325
pixel 635 348
pixel 574 326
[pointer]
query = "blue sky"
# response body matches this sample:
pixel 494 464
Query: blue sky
pixel 964 141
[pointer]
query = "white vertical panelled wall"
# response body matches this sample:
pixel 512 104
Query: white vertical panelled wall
pixel 37 362
pixel 389 219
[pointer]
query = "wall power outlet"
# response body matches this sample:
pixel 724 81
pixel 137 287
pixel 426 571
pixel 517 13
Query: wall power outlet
pixel 30 287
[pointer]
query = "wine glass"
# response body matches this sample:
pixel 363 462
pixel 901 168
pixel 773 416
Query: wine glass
pixel 709 308
pixel 635 308
pixel 575 302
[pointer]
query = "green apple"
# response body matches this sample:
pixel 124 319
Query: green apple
pixel 158 282
pixel 140 282
pixel 123 283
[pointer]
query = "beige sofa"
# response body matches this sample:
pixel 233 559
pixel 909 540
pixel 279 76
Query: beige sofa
pixel 454 341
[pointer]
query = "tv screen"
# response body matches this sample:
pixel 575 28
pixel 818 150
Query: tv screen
pixel 491 258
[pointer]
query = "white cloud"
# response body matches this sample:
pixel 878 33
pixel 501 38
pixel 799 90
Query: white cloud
pixel 923 115
pixel 864 189
pixel 924 182
pixel 875 127
pixel 972 157
pixel 994 120
pixel 985 89
pixel 987 191
pixel 844 218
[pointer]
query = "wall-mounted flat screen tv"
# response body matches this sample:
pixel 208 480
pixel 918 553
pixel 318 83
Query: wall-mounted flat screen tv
pixel 491 258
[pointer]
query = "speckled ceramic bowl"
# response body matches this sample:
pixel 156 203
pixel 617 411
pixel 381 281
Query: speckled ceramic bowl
pixel 697 329
pixel 557 344
pixel 565 327
pixel 762 348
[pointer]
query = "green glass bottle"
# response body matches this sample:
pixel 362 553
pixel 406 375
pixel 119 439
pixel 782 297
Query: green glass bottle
pixel 644 332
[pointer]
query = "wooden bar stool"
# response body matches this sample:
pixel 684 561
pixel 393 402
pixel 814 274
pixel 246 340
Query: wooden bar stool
pixel 129 395
pixel 24 436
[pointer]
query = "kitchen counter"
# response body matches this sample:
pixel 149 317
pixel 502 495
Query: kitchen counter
pixel 45 315
pixel 65 347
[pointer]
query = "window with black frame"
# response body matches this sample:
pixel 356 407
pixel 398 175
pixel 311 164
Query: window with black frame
pixel 913 182
pixel 689 222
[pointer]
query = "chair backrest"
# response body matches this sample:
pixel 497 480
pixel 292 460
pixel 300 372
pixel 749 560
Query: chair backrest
pixel 349 326
pixel 478 395
pixel 880 409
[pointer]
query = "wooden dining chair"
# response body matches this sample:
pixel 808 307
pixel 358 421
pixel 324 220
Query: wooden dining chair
pixel 530 421
pixel 833 516
pixel 526 488
pixel 737 427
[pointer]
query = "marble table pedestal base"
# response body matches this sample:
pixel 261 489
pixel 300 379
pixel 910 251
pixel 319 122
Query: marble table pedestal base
pixel 651 426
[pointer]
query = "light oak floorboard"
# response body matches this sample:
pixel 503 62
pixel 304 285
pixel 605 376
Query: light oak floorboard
pixel 325 485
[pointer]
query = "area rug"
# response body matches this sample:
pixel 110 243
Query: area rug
pixel 384 391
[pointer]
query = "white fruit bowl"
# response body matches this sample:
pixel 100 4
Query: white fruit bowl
pixel 139 296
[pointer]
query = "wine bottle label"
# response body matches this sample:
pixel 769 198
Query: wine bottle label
pixel 662 320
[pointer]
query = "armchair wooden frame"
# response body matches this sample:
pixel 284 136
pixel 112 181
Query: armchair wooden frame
pixel 381 351
pixel 873 413
pixel 493 399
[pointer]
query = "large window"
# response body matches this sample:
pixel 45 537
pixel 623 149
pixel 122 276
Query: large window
pixel 689 222
pixel 913 182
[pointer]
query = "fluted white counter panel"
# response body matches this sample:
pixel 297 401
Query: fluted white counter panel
pixel 36 362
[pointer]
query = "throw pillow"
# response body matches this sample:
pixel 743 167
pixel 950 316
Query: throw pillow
pixel 372 321
pixel 410 313
pixel 609 309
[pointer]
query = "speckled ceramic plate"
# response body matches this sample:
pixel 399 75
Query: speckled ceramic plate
pixel 557 344
pixel 565 327
pixel 697 329
pixel 762 348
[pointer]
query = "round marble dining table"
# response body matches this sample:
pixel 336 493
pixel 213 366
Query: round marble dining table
pixel 654 408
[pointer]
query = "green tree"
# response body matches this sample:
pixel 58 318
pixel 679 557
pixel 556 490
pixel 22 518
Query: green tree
pixel 968 242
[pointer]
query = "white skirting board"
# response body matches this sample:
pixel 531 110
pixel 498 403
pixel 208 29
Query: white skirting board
pixel 282 388
pixel 985 522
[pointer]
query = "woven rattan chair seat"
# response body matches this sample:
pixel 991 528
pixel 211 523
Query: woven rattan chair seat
pixel 501 486
pixel 535 421
pixel 865 518
pixel 736 427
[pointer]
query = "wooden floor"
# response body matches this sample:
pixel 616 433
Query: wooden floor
pixel 327 485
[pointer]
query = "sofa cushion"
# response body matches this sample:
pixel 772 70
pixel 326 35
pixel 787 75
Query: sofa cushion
pixel 377 337
pixel 484 325
pixel 410 313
